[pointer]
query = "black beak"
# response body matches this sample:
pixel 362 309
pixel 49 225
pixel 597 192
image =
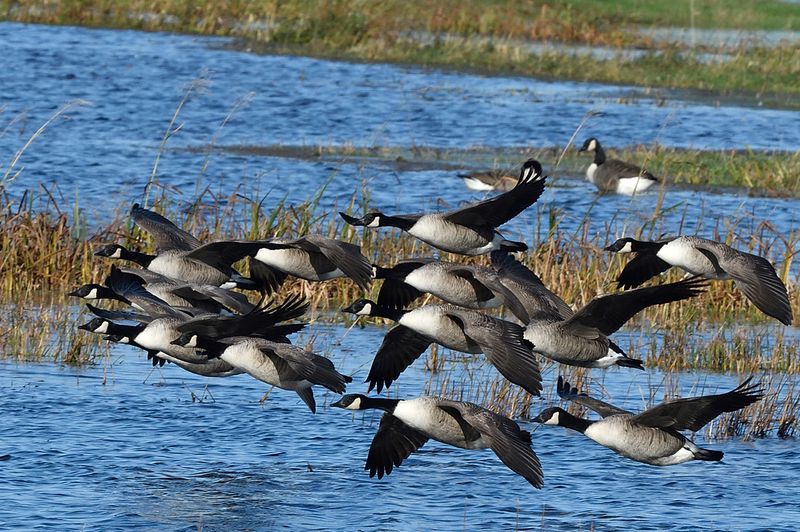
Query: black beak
pixel 85 327
pixel 609 248
pixel 349 309
pixel 351 220
pixel 337 404
pixel 75 293
pixel 538 419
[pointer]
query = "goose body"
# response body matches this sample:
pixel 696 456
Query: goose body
pixel 453 327
pixel 471 230
pixel 463 285
pixel 613 175
pixel 500 179
pixel 281 365
pixel 752 274
pixel 536 299
pixel 408 424
pixel 653 436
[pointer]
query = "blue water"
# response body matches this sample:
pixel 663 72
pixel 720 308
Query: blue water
pixel 119 445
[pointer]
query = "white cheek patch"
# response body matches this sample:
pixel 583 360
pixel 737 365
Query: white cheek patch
pixel 553 420
pixel 192 341
pixel 627 248
pixel 376 222
pixel 366 310
pixel 124 340
pixel 92 294
pixel 117 254
pixel 592 145
pixel 103 328
pixel 355 405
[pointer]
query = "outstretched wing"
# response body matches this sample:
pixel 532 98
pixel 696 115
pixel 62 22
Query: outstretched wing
pixel 641 268
pixel 400 348
pixel 166 235
pixel 392 444
pixel 571 394
pixel 695 412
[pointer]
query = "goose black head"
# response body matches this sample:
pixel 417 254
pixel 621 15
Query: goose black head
pixel 360 307
pixel 114 251
pixel 352 401
pixel 96 325
pixel 187 339
pixel 372 219
pixel 591 144
pixel 530 170
pixel 549 416
pixel 623 245
pixel 92 291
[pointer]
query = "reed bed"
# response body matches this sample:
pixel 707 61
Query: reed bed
pixel 379 31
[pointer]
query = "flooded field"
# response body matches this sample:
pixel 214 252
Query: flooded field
pixel 117 444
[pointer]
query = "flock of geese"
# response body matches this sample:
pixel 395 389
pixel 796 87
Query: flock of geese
pixel 183 311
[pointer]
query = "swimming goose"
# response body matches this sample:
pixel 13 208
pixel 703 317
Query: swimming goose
pixel 464 285
pixel 613 175
pixel 180 256
pixel 455 328
pixel 470 230
pixel 652 437
pixel 529 290
pixel 310 257
pixel 582 339
pixel 281 365
pixel 498 179
pixel 753 275
pixel 408 424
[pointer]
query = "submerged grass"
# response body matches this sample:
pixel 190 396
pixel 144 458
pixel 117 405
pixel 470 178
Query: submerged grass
pixel 383 31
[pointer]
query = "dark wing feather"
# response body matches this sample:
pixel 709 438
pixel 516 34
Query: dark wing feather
pixel 492 282
pixel 260 322
pixel 396 294
pixel 694 413
pixel 114 315
pixel 543 302
pixel 401 346
pixel 623 169
pixel 131 288
pixel 641 268
pixel 166 235
pixel 757 280
pixel 496 211
pixel 571 394
pixel 392 444
pixel 508 441
pixel 609 313
pixel 345 256
pixel 504 346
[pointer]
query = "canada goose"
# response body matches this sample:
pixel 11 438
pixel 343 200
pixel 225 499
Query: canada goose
pixel 310 257
pixel 157 334
pixel 653 436
pixel 468 331
pixel 127 289
pixel 464 285
pixel 582 339
pixel 471 230
pixel 498 179
pixel 528 288
pixel 206 368
pixel 180 256
pixel 613 175
pixel 753 275
pixel 281 365
pixel 408 424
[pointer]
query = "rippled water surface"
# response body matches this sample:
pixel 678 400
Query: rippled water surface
pixel 119 445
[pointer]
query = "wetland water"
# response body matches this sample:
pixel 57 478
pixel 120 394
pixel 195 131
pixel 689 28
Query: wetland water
pixel 117 445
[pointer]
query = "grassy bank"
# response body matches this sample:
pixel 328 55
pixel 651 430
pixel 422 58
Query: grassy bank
pixel 772 174
pixel 383 31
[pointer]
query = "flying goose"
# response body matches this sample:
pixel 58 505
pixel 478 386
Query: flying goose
pixel 528 289
pixel 470 230
pixel 310 257
pixel 180 256
pixel 498 179
pixel 582 339
pixel 281 365
pixel 613 175
pixel 753 275
pixel 455 328
pixel 408 424
pixel 652 437
pixel 464 285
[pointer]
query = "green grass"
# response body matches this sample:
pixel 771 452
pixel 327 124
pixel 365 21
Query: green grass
pixel 376 31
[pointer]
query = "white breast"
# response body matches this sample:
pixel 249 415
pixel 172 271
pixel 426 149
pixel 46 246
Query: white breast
pixel 157 335
pixel 633 185
pixel 440 233
pixel 681 253
pixel 590 172
pixel 427 320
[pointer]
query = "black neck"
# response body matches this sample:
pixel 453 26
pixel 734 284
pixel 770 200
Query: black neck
pixel 387 405
pixel 394 221
pixel 380 311
pixel 131 331
pixel 213 347
pixel 142 259
pixel 599 154
pixel 642 246
pixel 565 419
pixel 106 293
